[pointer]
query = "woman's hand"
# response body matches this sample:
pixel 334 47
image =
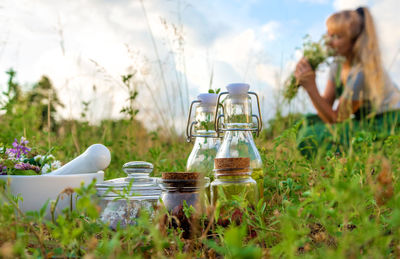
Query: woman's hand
pixel 304 74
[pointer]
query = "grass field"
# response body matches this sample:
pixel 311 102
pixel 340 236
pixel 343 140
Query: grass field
pixel 336 205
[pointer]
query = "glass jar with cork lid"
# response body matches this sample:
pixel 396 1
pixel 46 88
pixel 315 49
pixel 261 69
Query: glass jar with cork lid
pixel 233 178
pixel 183 187
pixel 183 192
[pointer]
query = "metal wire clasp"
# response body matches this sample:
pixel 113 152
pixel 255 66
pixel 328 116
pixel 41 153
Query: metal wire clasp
pixel 218 117
pixel 189 126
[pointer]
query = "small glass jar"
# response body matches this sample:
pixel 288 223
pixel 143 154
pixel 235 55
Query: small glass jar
pixel 233 178
pixel 178 188
pixel 122 199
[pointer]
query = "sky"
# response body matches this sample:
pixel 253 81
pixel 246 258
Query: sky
pixel 176 49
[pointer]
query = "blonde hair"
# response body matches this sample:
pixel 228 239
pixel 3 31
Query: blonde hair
pixel 359 26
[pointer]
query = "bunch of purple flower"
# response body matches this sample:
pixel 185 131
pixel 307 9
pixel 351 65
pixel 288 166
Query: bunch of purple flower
pixel 19 149
pixel 19 160
pixel 27 166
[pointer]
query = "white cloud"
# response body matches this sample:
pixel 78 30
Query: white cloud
pixel 217 37
pixel 91 31
pixel 349 4
pixel 268 73
pixel 270 30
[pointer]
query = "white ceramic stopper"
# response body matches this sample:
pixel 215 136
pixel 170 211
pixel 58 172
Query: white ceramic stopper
pixel 96 157
pixel 238 92
pixel 238 88
pixel 208 99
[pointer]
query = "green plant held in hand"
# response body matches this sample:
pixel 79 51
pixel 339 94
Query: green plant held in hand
pixel 316 53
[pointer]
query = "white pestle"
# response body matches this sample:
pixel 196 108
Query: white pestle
pixel 96 157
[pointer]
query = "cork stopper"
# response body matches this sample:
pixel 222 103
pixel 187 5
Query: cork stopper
pixel 232 162
pixel 181 176
pixel 181 180
pixel 232 165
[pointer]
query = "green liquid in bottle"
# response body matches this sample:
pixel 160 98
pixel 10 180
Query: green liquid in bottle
pixel 258 176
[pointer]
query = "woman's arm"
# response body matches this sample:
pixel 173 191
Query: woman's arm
pixel 323 104
pixel 329 96
pixel 329 93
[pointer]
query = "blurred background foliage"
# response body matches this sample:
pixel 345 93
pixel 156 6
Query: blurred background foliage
pixel 33 114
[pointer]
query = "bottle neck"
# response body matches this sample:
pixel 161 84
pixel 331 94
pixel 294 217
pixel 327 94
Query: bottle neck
pixel 244 126
pixel 205 121
pixel 233 176
pixel 206 134
pixel 238 111
pixel 244 135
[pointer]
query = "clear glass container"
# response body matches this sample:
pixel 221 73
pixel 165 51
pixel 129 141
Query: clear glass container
pixel 122 199
pixel 234 179
pixel 180 192
pixel 201 159
pixel 206 144
pixel 179 188
pixel 238 128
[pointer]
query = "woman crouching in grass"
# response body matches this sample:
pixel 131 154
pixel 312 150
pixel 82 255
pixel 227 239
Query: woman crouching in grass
pixel 367 98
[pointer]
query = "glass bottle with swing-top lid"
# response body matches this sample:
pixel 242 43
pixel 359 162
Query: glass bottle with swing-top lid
pixel 238 125
pixel 202 129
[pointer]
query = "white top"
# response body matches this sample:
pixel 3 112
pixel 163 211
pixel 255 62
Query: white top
pixel 238 88
pixel 208 99
pixel 355 88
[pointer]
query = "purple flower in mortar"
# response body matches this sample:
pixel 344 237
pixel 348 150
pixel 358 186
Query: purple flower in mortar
pixel 19 148
pixel 27 166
